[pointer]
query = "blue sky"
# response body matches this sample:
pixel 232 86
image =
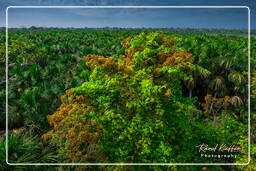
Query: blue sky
pixel 194 18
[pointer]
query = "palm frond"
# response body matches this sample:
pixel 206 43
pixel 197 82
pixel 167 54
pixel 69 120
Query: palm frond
pixel 236 101
pixel 202 71
pixel 236 77
pixel 217 84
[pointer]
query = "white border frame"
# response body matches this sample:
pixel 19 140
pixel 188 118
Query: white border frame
pixel 18 164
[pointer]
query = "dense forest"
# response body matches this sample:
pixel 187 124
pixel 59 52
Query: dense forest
pixel 126 96
pixel 169 30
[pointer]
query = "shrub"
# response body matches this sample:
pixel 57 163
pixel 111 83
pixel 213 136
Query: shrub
pixel 24 149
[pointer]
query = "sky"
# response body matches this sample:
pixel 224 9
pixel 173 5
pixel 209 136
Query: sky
pixel 127 17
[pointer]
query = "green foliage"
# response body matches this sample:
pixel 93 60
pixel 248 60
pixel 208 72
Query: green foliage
pixel 24 149
pixel 138 102
pixel 42 65
pixel 141 104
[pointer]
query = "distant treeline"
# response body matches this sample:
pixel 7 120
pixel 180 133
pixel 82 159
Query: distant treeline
pixel 172 30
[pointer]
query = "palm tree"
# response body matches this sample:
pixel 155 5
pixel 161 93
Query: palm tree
pixel 197 72
pixel 190 84
pixel 236 77
pixel 236 101
pixel 217 85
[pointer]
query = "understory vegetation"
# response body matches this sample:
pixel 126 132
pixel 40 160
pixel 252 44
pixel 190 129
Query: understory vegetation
pixel 126 96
